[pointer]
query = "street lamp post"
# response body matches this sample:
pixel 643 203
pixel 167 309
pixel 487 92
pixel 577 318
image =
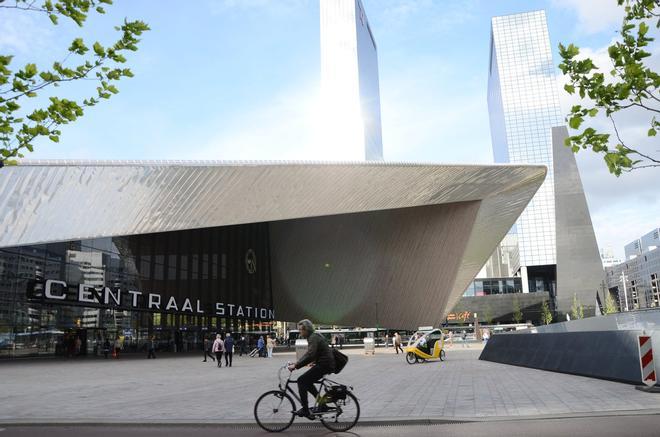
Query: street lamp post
pixel 625 290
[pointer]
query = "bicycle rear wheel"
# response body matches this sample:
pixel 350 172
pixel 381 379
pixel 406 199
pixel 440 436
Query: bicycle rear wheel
pixel 274 411
pixel 343 414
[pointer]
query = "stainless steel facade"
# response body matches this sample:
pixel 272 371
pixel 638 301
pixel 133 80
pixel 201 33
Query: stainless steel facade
pixel 342 236
pixel 349 82
pixel 524 105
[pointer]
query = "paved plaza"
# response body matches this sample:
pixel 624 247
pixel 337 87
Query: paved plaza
pixel 183 389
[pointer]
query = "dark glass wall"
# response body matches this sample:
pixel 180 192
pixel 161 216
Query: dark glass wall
pixel 217 278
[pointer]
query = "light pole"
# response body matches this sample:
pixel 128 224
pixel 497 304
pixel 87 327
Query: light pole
pixel 625 290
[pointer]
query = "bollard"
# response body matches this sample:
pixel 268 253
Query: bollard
pixel 369 345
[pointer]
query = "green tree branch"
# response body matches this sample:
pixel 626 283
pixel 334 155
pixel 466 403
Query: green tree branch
pixel 631 84
pixel 103 65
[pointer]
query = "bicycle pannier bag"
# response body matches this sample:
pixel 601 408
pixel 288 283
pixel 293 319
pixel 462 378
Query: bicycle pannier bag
pixel 340 360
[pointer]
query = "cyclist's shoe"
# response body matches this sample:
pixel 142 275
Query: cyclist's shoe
pixel 320 409
pixel 304 412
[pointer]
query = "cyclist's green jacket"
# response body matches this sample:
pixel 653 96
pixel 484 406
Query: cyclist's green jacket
pixel 318 352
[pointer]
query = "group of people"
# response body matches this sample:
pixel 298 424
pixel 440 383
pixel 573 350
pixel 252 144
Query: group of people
pixel 225 347
pixel 220 347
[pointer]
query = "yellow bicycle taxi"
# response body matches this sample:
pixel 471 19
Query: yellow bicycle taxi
pixel 425 346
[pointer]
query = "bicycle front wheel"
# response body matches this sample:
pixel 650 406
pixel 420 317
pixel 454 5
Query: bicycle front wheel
pixel 411 358
pixel 342 414
pixel 274 411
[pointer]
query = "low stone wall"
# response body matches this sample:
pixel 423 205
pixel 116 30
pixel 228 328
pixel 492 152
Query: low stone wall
pixel 604 354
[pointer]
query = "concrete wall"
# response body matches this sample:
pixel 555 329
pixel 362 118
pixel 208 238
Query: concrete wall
pixel 607 354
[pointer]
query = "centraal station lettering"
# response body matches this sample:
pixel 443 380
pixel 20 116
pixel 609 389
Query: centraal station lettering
pixel 59 292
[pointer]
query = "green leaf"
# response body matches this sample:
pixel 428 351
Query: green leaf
pixel 575 122
pixel 570 89
pixel 651 132
pixel 53 18
pixel 592 112
pixel 98 49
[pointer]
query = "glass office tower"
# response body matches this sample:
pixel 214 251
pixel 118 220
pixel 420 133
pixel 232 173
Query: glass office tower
pixel 524 106
pixel 349 83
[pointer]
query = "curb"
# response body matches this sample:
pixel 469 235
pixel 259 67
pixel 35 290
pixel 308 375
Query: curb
pixel 373 422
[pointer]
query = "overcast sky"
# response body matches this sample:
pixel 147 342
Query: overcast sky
pixel 239 79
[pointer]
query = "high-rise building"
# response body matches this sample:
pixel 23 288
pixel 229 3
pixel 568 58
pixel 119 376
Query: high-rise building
pixel 645 243
pixel 557 245
pixel 636 280
pixel 349 83
pixel 524 105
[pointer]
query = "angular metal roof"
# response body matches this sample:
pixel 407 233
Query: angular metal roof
pixel 409 235
pixel 48 201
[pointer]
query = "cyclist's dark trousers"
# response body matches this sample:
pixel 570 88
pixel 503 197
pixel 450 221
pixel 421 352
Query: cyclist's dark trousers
pixel 306 384
pixel 228 358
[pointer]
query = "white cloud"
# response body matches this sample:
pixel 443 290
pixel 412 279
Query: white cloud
pixel 593 15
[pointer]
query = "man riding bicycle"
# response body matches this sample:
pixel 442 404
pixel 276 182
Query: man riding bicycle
pixel 319 354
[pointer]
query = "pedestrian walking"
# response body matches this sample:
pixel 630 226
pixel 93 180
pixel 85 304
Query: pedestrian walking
pixel 151 346
pixel 450 338
pixel 106 348
pixel 78 345
pixel 207 345
pixel 261 346
pixel 464 338
pixel 387 340
pixel 270 345
pixel 333 341
pixel 485 335
pixel 117 347
pixel 397 343
pixel 218 349
pixel 229 350
pixel 241 346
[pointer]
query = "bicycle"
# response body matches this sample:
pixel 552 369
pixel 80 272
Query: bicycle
pixel 275 410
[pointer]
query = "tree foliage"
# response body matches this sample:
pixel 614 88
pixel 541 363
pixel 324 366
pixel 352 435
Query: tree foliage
pixel 517 311
pixel 610 304
pixel 546 314
pixel 577 310
pixel 630 85
pixel 101 65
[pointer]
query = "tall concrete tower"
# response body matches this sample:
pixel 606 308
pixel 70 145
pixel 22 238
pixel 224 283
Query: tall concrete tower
pixel 350 93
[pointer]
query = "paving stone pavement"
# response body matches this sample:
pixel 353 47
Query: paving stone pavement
pixel 186 389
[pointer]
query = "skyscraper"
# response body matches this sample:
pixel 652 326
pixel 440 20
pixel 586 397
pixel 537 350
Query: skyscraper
pixel 524 106
pixel 557 244
pixel 349 82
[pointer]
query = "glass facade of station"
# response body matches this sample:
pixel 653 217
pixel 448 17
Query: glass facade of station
pixel 68 298
pixel 488 286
